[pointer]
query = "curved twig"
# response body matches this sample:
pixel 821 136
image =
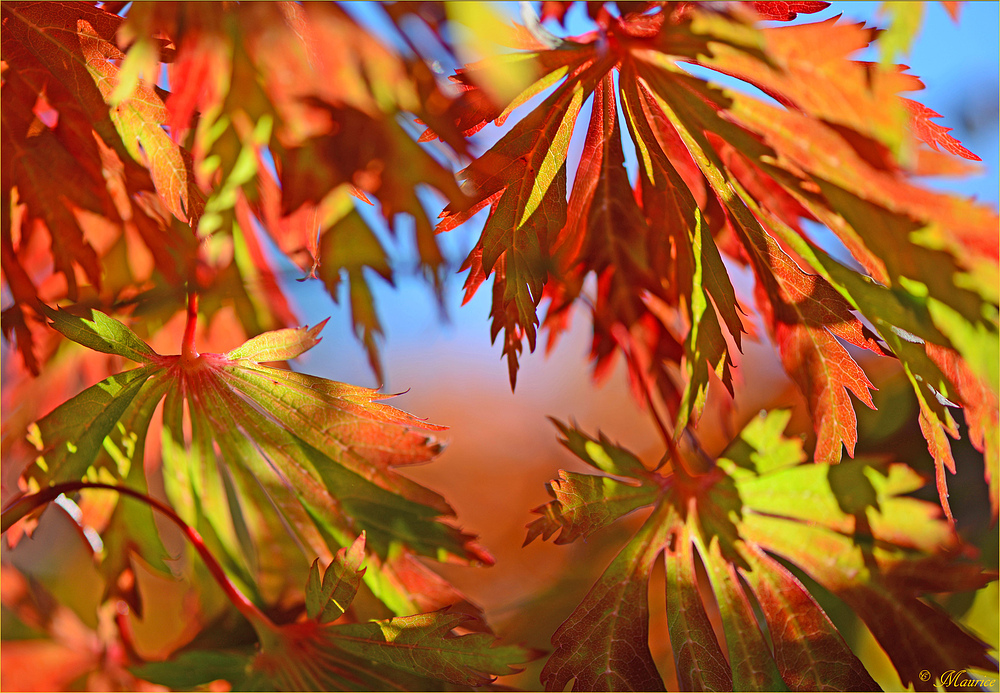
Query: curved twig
pixel 26 504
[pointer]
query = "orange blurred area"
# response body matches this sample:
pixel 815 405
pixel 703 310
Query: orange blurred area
pixel 503 449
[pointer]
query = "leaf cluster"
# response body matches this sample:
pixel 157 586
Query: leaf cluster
pixel 138 217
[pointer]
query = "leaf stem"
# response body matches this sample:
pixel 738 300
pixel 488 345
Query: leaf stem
pixel 24 505
pixel 668 438
pixel 188 352
pixel 673 454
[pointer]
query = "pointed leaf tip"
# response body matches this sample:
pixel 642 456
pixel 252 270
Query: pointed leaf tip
pixel 278 345
pixel 329 600
pixel 101 333
pixel 935 135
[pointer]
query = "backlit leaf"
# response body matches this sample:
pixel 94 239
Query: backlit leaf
pixel 844 525
pixel 239 436
pixel 933 134
pixel 701 665
pixel 328 600
pixel 603 645
pixel 656 250
pixel 425 645
pixel 102 333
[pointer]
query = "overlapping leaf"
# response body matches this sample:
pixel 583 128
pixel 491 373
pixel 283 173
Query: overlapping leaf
pixel 851 527
pixel 691 116
pixel 724 173
pixel 79 197
pixel 402 653
pixel 246 81
pixel 323 97
pixel 252 452
pixel 316 654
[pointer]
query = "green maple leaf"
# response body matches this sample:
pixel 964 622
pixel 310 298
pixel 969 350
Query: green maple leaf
pixel 329 598
pixel 255 454
pixel 851 527
pixel 402 653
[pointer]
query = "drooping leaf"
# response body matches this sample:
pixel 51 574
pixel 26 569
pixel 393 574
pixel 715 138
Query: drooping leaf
pixel 982 412
pixel 106 228
pixel 836 150
pixel 138 120
pixel 523 179
pixel 963 301
pixel 823 369
pixel 723 180
pixel 118 148
pixel 350 247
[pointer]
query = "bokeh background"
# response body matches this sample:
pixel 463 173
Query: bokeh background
pixel 502 448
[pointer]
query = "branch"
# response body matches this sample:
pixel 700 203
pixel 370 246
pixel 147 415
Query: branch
pixel 188 352
pixel 24 505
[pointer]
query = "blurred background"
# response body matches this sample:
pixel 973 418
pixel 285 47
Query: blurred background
pixel 502 448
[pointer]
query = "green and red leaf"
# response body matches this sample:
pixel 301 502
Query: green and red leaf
pixel 851 527
pixel 239 435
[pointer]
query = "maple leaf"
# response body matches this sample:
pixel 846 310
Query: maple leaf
pixel 424 645
pixel 254 455
pixel 330 598
pixel 786 11
pixel 602 229
pixel 401 653
pixel 933 134
pixel 138 120
pixel 320 652
pixel 972 308
pixel 758 503
pixel 125 172
pixel 806 316
pixel 721 170
pixel 328 137
pixel 124 191
pixel 250 450
pixel 79 77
